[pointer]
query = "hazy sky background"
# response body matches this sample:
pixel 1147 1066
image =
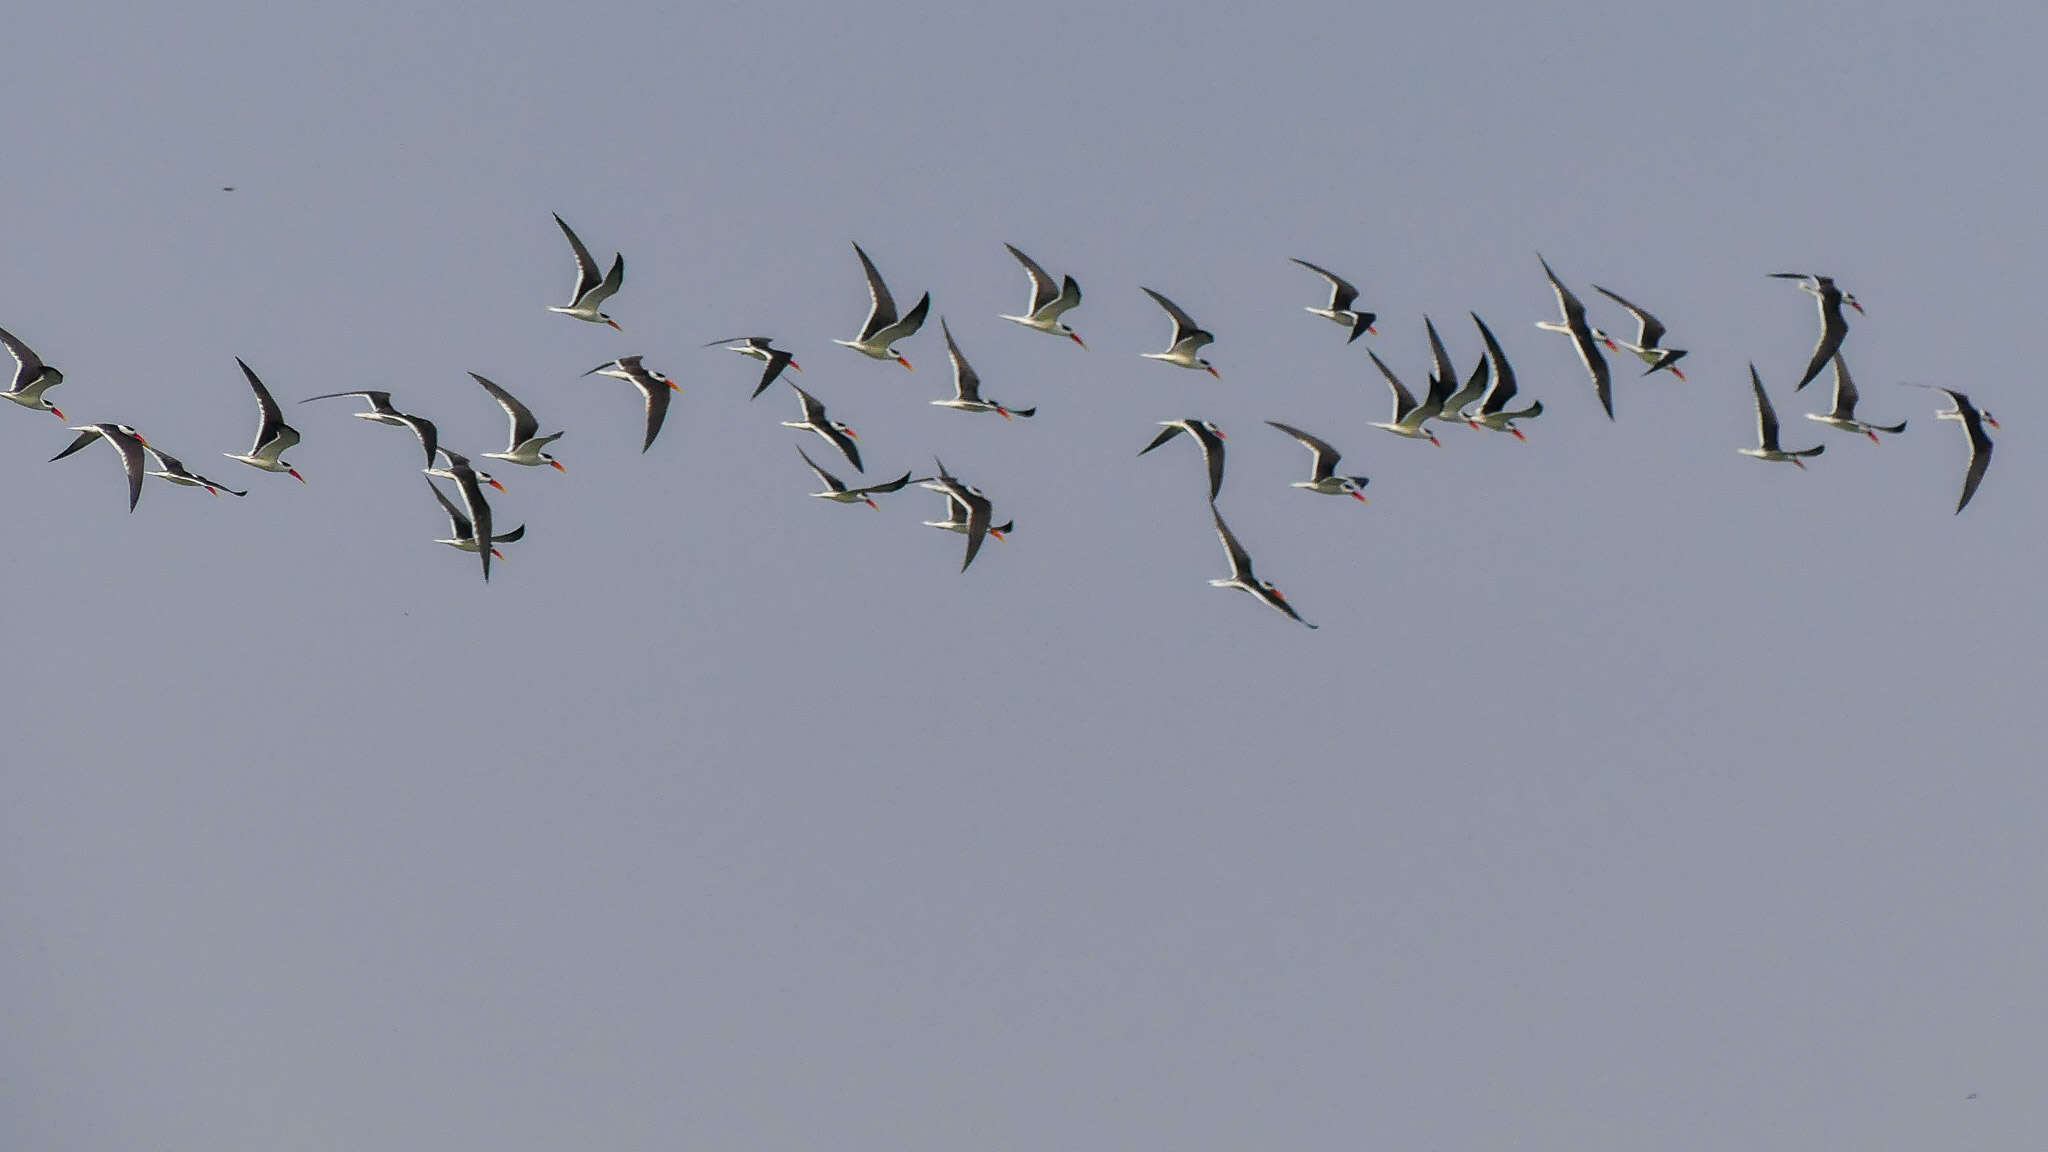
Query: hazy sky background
pixel 1633 795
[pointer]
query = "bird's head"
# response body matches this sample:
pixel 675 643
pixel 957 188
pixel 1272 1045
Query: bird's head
pixel 553 463
pixel 610 321
pixel 1353 486
pixel 54 410
pixel 843 430
pixel 1213 430
pixel 1987 417
pixel 1073 335
pixel 1210 369
pixel 1850 300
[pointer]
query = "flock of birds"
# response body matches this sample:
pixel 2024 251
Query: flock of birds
pixel 1483 401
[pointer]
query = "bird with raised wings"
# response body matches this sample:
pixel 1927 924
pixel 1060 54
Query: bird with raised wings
pixel 967 395
pixel 592 289
pixel 883 327
pixel 32 378
pixel 1188 339
pixel 836 434
pixel 274 437
pixel 1343 306
pixel 1050 299
pixel 1323 476
pixel 1493 412
pixel 836 489
pixel 1647 346
pixel 1767 431
pixel 524 444
pixel 1842 413
pixel 1411 416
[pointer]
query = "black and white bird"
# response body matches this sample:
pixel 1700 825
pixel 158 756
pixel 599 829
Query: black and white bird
pixel 1411 416
pixel 1767 430
pixel 31 377
pixel 1209 436
pixel 761 348
pixel 1585 338
pixel 836 489
pixel 172 469
pixel 274 437
pixel 1452 410
pixel 382 412
pixel 592 289
pixel 127 441
pixel 883 327
pixel 1241 573
pixel 1343 302
pixel 1493 412
pixel 1049 300
pixel 462 534
pixel 1188 338
pixel 836 434
pixel 979 511
pixel 1323 477
pixel 654 390
pixel 525 443
pixel 1833 325
pixel 1973 419
pixel 469 482
pixel 1649 337
pixel 960 518
pixel 1843 413
pixel 967 384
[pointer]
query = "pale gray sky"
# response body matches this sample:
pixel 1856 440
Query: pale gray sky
pixel 1633 794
